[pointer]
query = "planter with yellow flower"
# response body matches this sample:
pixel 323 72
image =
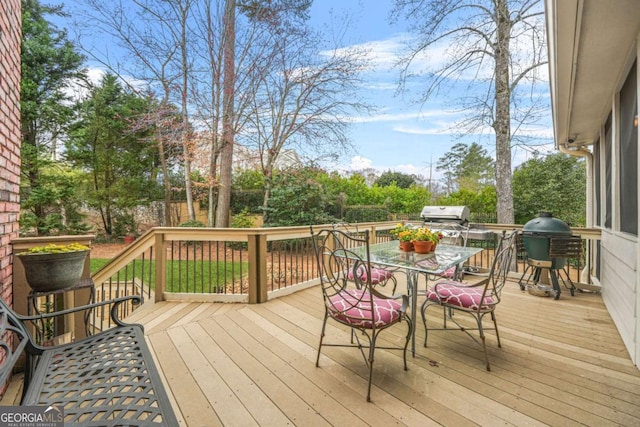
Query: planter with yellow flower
pixel 422 240
pixel 399 228
pixel 53 267
pixel 406 240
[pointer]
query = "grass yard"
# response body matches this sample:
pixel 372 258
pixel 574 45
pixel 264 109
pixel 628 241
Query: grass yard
pixel 203 276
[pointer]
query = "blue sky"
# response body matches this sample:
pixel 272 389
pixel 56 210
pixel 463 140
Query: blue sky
pixel 399 135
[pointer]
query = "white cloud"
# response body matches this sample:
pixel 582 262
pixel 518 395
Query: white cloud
pixel 359 163
pixel 384 117
pixel 412 169
pixel 401 117
pixel 544 132
pixel 77 90
pixel 385 86
pixel 385 57
pixel 416 130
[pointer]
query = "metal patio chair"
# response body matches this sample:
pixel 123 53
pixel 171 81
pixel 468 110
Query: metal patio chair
pixel 477 300
pixel 351 299
pixel 453 234
pixel 379 276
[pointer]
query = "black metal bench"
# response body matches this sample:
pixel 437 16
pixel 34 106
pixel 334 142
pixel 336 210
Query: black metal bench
pixel 107 379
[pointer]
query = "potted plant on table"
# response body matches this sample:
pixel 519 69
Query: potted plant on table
pixel 423 240
pixel 406 240
pixel 399 228
pixel 53 266
pixel 435 239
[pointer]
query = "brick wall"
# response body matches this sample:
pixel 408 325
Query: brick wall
pixel 10 34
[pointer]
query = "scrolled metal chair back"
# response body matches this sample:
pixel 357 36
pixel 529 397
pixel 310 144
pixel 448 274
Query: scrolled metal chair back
pixel 341 267
pixel 501 265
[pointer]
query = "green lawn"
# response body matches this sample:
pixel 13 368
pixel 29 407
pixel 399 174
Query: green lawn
pixel 206 275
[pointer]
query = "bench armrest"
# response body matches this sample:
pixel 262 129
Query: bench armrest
pixel 135 299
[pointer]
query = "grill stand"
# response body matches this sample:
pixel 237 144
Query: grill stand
pixel 538 268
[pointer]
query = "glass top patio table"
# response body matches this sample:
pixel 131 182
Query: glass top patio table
pixel 446 256
pixel 389 254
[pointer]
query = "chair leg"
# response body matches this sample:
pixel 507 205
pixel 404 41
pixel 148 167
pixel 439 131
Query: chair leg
pixel 423 309
pixel 484 341
pixel 372 348
pixel 324 325
pixel 495 325
pixel 408 338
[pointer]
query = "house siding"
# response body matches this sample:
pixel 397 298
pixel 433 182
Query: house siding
pixel 10 36
pixel 618 281
pixel 592 46
pixel 619 274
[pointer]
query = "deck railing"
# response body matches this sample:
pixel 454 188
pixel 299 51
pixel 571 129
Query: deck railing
pixel 241 265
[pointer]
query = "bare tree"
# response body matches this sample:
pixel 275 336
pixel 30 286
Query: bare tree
pixel 207 91
pixel 155 36
pixel 495 45
pixel 166 127
pixel 303 99
pixel 231 60
pixel 215 59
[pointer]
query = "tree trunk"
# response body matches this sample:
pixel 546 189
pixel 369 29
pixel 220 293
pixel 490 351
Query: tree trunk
pixel 268 185
pixel 166 183
pixel 213 51
pixel 226 151
pixel 213 186
pixel 186 143
pixel 502 123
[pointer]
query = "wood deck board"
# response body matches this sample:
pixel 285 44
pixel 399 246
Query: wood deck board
pixel 291 365
pixel 193 404
pixel 343 365
pixel 262 366
pixel 547 374
pixel 561 363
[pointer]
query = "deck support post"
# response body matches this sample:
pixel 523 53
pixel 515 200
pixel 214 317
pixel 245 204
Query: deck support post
pixel 161 267
pixel 257 268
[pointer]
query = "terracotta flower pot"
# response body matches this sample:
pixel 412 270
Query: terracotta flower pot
pixel 422 246
pixel 406 246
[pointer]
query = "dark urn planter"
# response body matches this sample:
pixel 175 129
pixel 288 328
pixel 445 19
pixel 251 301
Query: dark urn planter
pixel 47 272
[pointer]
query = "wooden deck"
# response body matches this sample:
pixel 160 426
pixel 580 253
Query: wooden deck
pixel 562 363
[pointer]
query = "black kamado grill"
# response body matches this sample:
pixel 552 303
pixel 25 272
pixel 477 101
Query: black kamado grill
pixel 548 242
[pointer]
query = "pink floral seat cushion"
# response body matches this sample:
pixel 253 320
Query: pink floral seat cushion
pixel 378 275
pixel 461 295
pixel 354 308
pixel 449 272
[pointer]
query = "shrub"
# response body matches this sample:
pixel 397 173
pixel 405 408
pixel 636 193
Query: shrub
pixel 192 223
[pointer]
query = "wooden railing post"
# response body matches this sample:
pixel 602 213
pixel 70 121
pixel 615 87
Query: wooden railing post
pixel 161 267
pixel 257 248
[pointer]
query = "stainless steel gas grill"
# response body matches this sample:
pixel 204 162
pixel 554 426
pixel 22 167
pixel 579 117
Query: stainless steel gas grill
pixel 449 214
pixel 454 223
